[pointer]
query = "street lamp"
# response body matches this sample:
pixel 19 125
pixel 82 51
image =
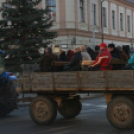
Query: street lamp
pixel 102 20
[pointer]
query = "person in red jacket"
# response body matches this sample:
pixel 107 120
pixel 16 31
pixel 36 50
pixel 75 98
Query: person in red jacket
pixel 103 58
pixel 70 54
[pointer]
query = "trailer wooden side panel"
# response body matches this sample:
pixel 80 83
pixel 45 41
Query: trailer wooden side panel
pixel 66 81
pixel 78 81
pixel 120 80
pixel 92 81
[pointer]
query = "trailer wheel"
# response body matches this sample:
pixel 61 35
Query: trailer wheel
pixel 70 108
pixel 120 112
pixel 43 110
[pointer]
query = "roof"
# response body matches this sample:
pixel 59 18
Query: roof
pixel 131 1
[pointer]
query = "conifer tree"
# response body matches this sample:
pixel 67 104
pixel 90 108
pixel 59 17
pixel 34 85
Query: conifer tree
pixel 23 30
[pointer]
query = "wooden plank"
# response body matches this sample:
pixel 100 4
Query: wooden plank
pixel 121 89
pixel 119 73
pixel 47 80
pixel 92 80
pixel 92 74
pixel 41 86
pixel 60 63
pixel 94 85
pixel 88 89
pixel 66 86
pixel 118 61
pixel 122 80
pixel 68 80
pixel 41 74
pixel 66 74
pixel 87 62
pixel 66 89
pixel 120 85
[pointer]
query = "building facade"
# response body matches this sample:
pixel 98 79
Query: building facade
pixel 74 20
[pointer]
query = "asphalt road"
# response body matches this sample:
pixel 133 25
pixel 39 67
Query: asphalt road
pixel 92 120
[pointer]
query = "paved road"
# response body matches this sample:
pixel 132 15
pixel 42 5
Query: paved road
pixel 92 120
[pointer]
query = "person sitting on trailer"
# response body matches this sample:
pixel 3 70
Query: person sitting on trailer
pixel 91 52
pixel 114 51
pixel 130 65
pixel 103 59
pixel 47 59
pixel 122 54
pixel 115 54
pixel 75 62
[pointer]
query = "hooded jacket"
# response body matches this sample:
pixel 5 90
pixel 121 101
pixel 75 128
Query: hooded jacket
pixel 103 59
pixel 75 63
pixel 63 57
pixel 115 53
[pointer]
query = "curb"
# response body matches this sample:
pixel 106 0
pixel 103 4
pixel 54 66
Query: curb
pixel 26 104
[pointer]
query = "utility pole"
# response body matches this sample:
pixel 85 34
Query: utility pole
pixel 102 21
pixel 93 15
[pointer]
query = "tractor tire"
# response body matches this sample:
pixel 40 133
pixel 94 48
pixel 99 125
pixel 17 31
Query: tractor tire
pixel 43 110
pixel 120 112
pixel 70 108
pixel 8 94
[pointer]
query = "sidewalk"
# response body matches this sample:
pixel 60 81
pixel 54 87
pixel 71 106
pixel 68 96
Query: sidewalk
pixel 83 97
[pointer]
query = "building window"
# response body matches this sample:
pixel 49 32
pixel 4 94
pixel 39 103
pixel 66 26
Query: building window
pixel 82 10
pixel 121 21
pixel 51 4
pixel 94 14
pixel 128 23
pixel 104 17
pixel 113 19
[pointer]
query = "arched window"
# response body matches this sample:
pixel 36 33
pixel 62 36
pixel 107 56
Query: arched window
pixel 51 4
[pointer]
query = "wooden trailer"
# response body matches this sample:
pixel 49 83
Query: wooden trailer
pixel 58 90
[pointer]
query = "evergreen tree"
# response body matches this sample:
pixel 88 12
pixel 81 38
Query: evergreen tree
pixel 23 30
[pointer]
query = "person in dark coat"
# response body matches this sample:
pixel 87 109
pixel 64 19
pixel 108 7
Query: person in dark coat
pixel 62 56
pixel 75 63
pixel 91 53
pixel 126 49
pixel 122 54
pixel 115 54
pixel 47 59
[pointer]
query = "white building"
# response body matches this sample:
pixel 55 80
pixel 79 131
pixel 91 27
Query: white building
pixel 74 19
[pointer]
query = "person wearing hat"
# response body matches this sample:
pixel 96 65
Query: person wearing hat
pixel 103 59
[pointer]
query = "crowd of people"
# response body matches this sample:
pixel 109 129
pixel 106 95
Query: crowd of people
pixel 101 58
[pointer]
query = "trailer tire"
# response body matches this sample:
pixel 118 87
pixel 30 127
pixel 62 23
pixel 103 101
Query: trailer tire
pixel 43 110
pixel 120 112
pixel 70 108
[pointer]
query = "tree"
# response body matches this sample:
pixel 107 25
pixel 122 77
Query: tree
pixel 23 30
